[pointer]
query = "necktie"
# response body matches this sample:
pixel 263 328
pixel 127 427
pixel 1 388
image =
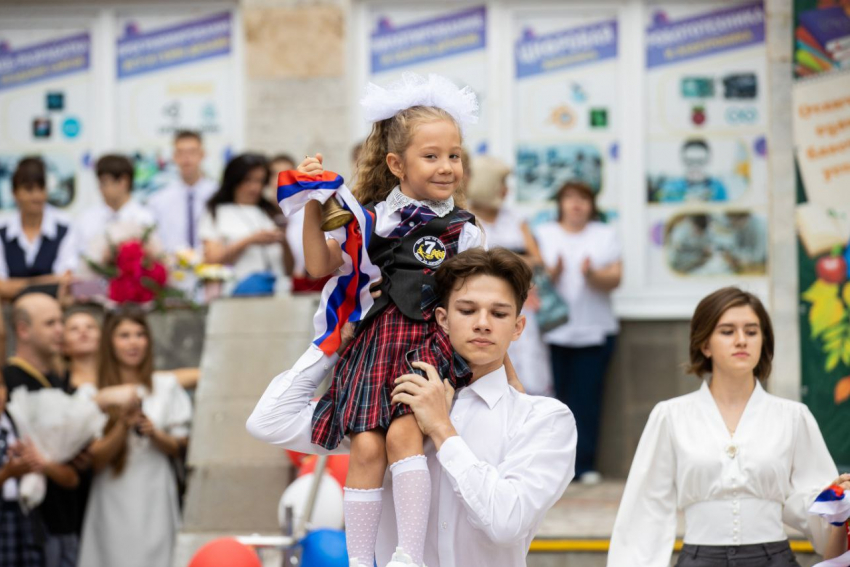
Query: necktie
pixel 191 212
pixel 411 217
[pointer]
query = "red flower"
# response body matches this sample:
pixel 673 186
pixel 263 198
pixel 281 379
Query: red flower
pixel 122 289
pixel 157 273
pixel 139 278
pixel 129 257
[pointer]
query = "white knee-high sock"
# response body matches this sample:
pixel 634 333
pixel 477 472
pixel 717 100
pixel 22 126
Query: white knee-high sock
pixel 412 498
pixel 362 512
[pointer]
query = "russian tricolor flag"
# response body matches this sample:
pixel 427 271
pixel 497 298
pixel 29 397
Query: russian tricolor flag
pixel 346 295
pixel 833 504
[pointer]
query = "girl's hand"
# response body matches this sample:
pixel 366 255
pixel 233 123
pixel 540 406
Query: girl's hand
pixel 532 302
pixel 144 426
pixel 264 237
pixel 311 165
pixel 555 273
pixel 346 336
pixel 30 455
pixel 16 467
pixel 843 481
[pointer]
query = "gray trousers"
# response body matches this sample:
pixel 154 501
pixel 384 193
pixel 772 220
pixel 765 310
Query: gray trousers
pixel 61 550
pixel 773 554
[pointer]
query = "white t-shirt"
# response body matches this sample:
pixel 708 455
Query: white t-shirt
pixel 505 231
pixel 591 315
pixel 170 207
pixel 92 224
pixel 232 223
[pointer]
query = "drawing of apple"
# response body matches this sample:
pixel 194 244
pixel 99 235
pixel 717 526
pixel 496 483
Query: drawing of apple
pixel 832 268
pixel 698 115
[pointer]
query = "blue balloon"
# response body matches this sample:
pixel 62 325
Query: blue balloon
pixel 324 548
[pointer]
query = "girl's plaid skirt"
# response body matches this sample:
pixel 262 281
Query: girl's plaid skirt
pixel 359 395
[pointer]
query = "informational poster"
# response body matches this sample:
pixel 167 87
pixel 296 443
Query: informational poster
pixel 707 152
pixel 450 42
pixel 821 107
pixel 175 72
pixel 565 120
pixel 45 109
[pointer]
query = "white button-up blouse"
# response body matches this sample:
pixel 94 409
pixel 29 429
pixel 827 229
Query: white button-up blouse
pixel 734 489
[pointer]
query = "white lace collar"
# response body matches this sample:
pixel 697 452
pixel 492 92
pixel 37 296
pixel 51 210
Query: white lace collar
pixel 397 200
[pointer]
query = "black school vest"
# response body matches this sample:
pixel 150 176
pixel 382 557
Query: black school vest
pixel 408 263
pixel 44 260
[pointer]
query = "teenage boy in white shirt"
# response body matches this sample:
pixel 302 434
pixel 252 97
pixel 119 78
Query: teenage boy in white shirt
pixel 179 206
pixel 498 459
pixel 115 181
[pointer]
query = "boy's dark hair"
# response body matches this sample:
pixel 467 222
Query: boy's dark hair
pixel 30 171
pixel 188 135
pixel 499 262
pixel 116 166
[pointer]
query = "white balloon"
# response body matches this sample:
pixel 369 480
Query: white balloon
pixel 327 513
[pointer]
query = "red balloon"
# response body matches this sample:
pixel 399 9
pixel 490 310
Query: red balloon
pixel 225 552
pixel 296 457
pixel 337 467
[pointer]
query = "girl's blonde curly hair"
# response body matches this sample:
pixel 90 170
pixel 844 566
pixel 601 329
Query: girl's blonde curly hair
pixel 374 180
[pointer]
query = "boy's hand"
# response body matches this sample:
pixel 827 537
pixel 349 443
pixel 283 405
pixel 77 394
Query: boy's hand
pixel 311 165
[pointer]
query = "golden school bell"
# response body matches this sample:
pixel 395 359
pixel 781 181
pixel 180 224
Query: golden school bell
pixel 334 216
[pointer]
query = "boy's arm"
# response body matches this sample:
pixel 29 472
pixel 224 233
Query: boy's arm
pixel 284 414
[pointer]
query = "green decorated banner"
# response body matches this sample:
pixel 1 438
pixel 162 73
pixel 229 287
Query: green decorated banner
pixel 821 118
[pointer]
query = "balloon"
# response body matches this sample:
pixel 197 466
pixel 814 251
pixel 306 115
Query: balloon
pixel 324 548
pixel 296 457
pixel 337 467
pixel 225 552
pixel 327 513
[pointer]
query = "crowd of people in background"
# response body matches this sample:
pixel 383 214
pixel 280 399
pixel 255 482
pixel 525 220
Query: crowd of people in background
pixel 125 483
pixel 122 484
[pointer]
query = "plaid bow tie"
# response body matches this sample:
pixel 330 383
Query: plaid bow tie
pixel 411 217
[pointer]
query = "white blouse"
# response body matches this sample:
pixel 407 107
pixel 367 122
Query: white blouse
pixel 734 489
pixel 591 312
pixel 232 223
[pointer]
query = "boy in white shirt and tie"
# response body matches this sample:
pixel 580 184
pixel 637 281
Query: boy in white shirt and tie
pixel 498 459
pixel 178 207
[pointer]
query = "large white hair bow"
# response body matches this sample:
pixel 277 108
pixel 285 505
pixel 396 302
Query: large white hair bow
pixel 380 103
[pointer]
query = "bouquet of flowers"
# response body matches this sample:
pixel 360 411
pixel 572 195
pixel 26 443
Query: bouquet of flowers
pixel 186 263
pixel 133 265
pixel 59 425
pixel 190 273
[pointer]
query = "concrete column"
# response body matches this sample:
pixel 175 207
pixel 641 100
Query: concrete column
pixel 784 294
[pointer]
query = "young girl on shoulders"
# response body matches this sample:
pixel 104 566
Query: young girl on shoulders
pixel 407 180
